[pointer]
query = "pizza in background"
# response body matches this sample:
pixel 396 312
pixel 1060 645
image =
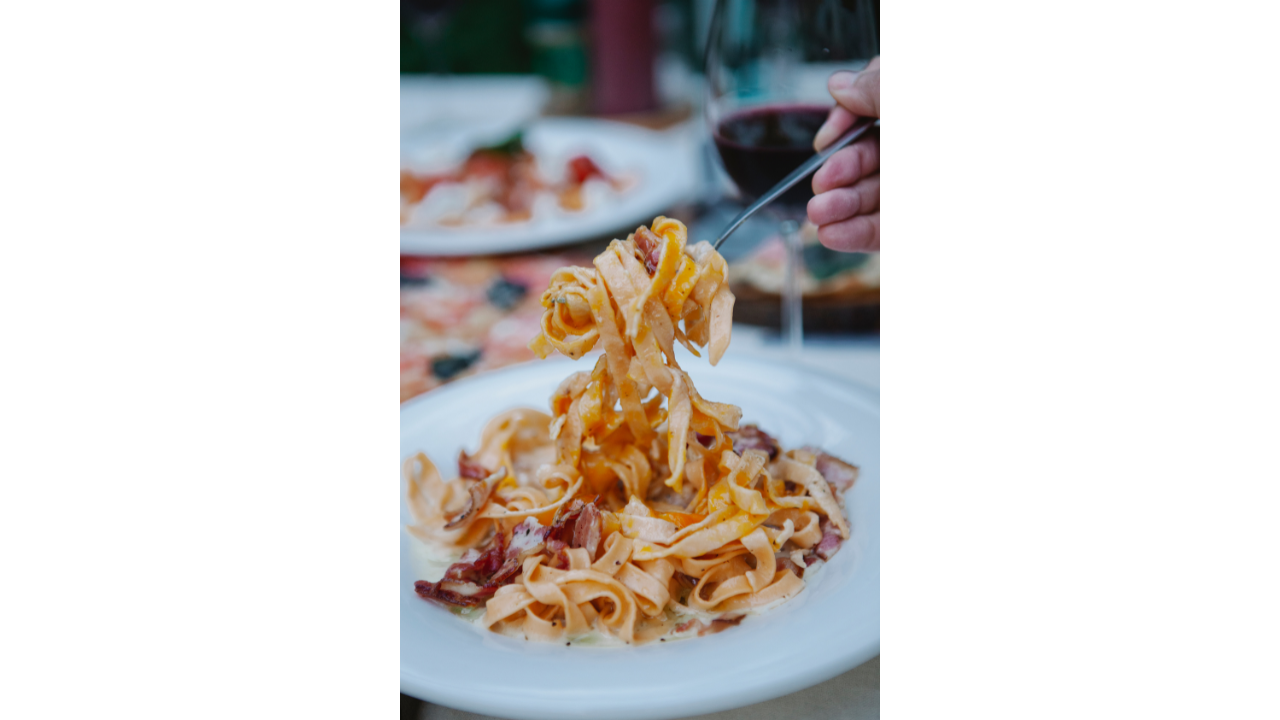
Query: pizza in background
pixel 462 316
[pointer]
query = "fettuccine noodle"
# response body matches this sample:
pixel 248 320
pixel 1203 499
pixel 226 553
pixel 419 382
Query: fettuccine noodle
pixel 637 508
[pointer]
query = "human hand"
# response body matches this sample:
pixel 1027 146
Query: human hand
pixel 846 189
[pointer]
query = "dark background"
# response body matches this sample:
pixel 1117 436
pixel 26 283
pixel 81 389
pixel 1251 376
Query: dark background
pixel 489 36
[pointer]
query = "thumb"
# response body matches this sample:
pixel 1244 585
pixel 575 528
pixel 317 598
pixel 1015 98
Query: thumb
pixel 857 95
pixel 860 93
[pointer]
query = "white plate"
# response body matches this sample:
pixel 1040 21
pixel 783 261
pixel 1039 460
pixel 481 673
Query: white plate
pixel 663 165
pixel 830 627
pixel 441 110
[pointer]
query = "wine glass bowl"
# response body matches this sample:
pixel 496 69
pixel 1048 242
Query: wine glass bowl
pixel 767 66
pixel 762 145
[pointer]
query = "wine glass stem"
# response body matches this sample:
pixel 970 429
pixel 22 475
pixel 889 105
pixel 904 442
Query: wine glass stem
pixel 792 312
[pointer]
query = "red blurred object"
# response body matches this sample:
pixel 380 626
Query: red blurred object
pixel 622 56
pixel 582 167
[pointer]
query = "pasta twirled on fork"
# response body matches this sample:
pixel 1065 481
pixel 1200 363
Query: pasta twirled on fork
pixel 637 508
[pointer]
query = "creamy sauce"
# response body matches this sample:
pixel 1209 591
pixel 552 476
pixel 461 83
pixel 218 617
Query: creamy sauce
pixel 472 615
pixel 672 619
pixel 430 561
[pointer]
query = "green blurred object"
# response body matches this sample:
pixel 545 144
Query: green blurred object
pixel 573 10
pixel 513 145
pixel 559 52
pixel 415 56
pixel 474 36
pixel 676 23
pixel 556 33
pixel 823 262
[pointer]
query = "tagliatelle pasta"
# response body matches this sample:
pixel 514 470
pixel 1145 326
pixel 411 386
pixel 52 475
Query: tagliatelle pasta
pixel 637 508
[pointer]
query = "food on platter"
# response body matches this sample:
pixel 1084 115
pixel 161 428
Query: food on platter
pixel 637 510
pixel 841 290
pixel 827 272
pixel 504 183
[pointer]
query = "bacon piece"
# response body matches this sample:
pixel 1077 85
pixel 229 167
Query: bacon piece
pixel 785 563
pixel 504 576
pixel 468 584
pixel 712 628
pixel 720 624
pixel 560 561
pixel 468 467
pixel 472 582
pixel 483 567
pixel 838 473
pixel 526 539
pixel 586 531
pixel 576 525
pixel 751 437
pixel 561 530
pixel 478 495
pixel 686 625
pixel 435 591
pixel 830 542
pixel 650 247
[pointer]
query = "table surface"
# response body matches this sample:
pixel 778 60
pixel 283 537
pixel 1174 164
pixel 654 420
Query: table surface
pixel 852 357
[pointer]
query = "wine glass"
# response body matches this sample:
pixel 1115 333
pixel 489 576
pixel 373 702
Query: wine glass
pixel 767 67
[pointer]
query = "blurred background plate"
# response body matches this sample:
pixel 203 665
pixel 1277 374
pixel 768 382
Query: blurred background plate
pixel 662 167
pixel 443 110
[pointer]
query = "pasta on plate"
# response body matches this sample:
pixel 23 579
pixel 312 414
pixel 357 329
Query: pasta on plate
pixel 637 510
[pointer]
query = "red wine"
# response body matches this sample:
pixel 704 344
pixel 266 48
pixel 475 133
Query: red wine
pixel 761 146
